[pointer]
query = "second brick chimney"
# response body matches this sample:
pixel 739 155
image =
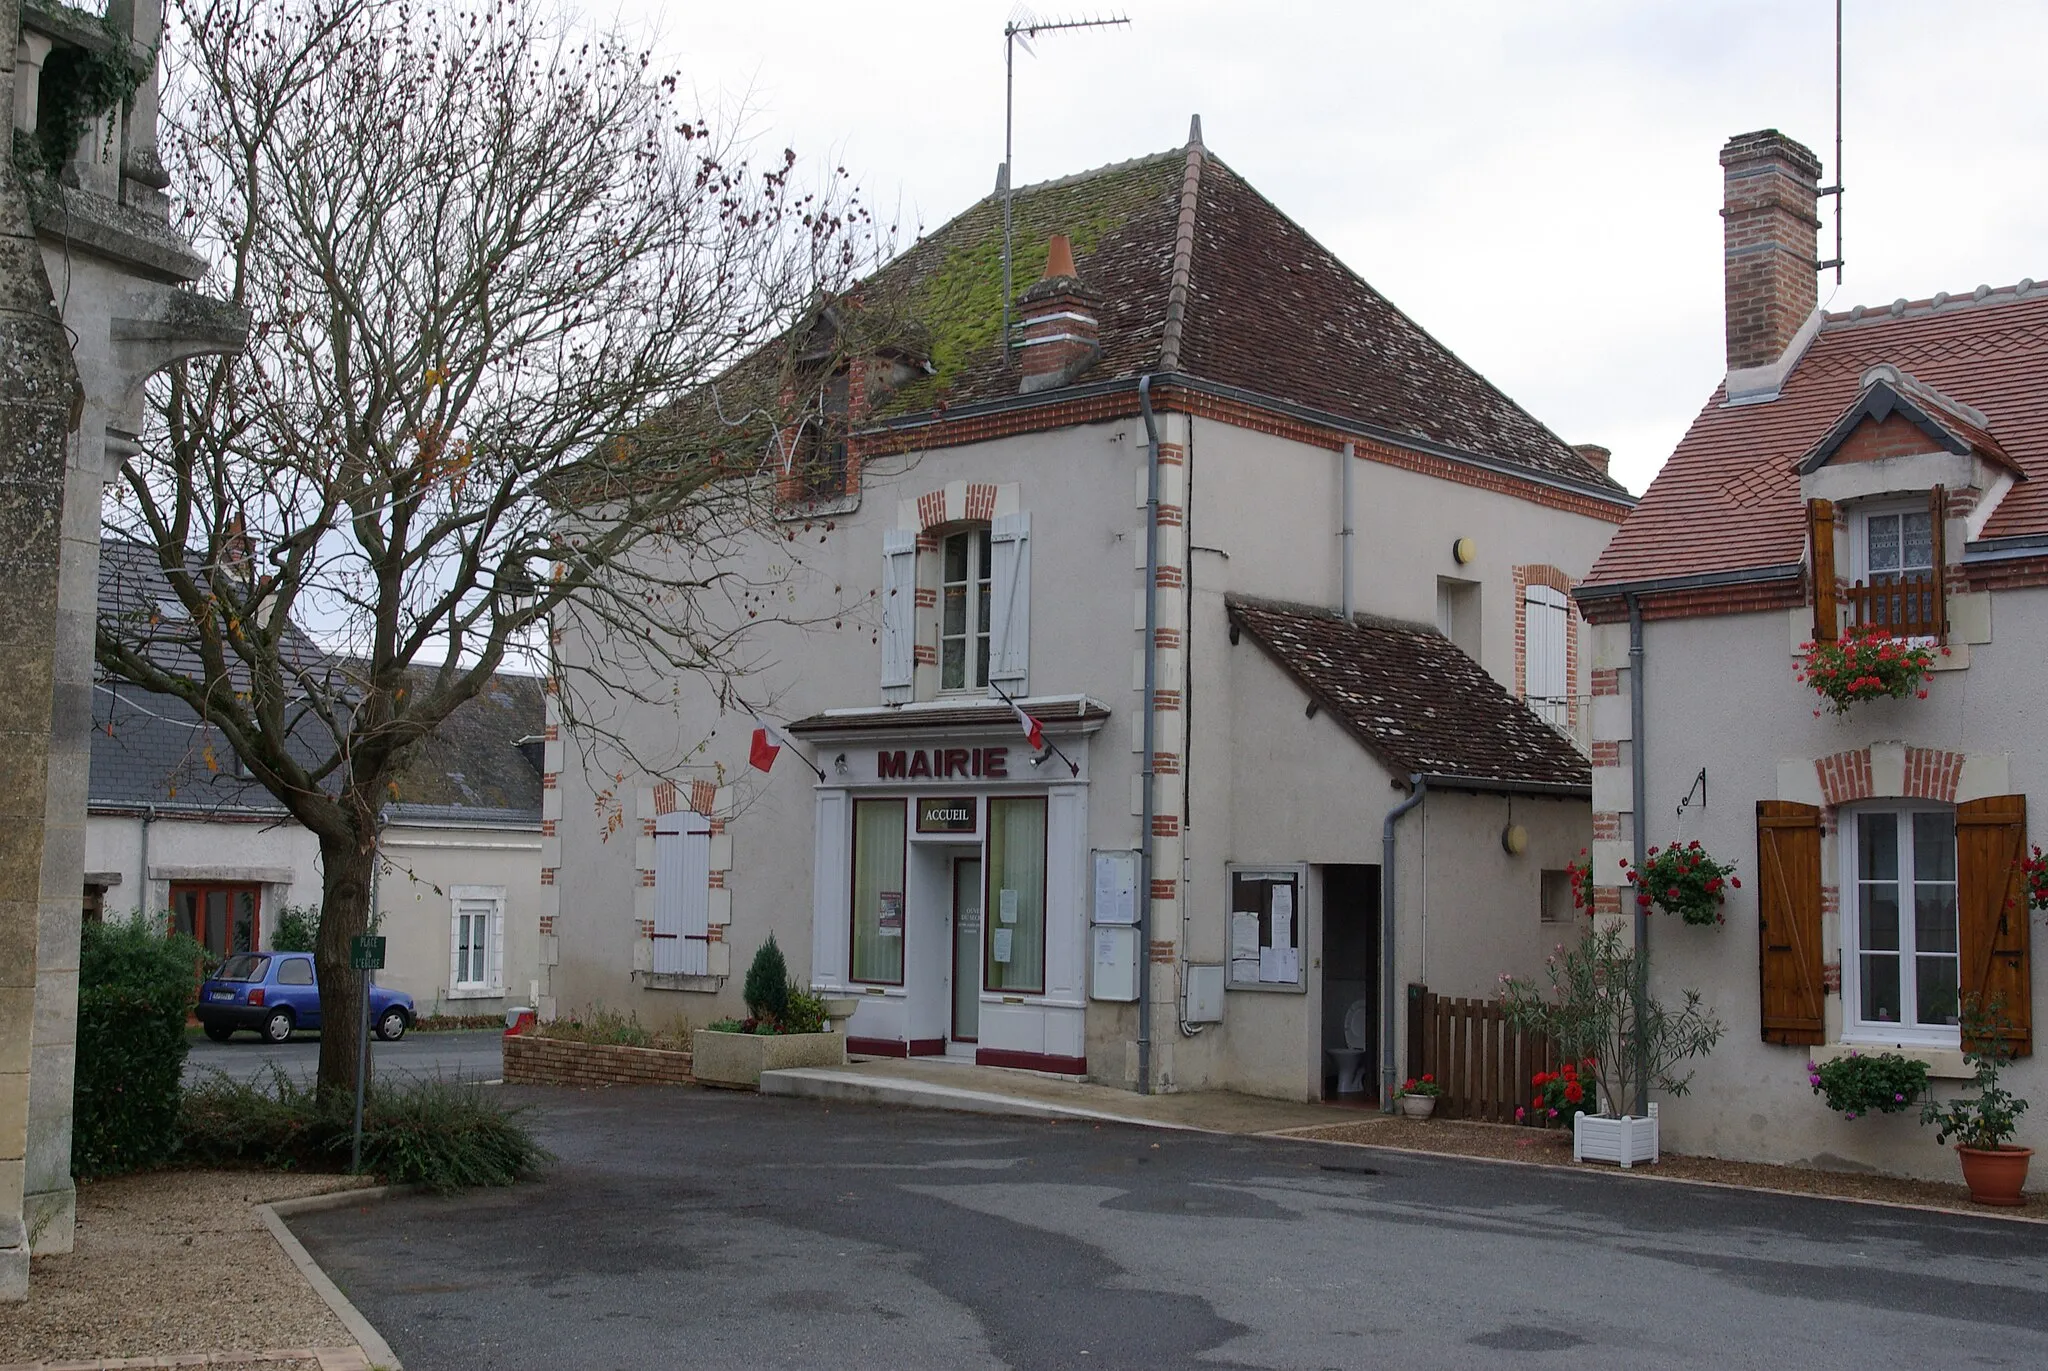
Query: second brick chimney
pixel 1770 237
pixel 1059 318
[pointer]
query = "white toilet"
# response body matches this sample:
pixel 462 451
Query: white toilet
pixel 1350 1058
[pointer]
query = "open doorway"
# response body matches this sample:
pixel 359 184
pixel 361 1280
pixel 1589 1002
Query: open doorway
pixel 1351 984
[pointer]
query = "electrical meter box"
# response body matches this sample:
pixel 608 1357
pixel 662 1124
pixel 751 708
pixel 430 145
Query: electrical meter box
pixel 1114 949
pixel 1205 994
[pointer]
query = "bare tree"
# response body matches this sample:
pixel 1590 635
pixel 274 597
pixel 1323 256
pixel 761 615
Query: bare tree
pixel 492 271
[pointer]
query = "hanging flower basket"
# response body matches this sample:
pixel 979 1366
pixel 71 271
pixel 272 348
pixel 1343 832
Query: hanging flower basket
pixel 1866 663
pixel 1685 881
pixel 1582 880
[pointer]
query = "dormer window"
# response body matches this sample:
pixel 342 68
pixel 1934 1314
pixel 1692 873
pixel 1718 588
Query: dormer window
pixel 1896 544
pixel 1896 580
pixel 964 603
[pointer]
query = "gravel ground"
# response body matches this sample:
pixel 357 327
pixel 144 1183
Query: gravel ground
pixel 169 1262
pixel 1553 1147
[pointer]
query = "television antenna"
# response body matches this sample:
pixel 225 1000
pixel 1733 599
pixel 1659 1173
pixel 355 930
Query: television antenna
pixel 1836 189
pixel 1022 28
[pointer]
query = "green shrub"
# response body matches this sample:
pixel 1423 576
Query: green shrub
pixel 444 1135
pixel 135 988
pixel 767 988
pixel 1882 1084
pixel 610 1028
pixel 297 928
pixel 806 1012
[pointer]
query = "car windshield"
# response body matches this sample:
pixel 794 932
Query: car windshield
pixel 244 967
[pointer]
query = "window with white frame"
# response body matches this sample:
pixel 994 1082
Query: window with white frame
pixel 964 601
pixel 1899 924
pixel 476 940
pixel 1892 544
pixel 1545 661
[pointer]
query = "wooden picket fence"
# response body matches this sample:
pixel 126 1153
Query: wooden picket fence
pixel 1482 1063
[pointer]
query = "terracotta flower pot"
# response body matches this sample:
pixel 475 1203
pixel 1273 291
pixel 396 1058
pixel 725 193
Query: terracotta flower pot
pixel 1995 1177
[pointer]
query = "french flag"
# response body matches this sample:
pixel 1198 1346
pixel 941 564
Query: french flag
pixel 766 747
pixel 1033 730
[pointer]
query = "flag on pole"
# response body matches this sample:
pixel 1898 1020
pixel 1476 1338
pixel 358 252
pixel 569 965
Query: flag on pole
pixel 1032 728
pixel 767 743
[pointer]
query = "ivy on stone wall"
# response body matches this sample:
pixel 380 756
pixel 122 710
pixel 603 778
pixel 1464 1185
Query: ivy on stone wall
pixel 78 85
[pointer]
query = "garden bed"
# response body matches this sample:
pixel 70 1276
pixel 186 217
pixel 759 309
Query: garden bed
pixel 737 1059
pixel 534 1060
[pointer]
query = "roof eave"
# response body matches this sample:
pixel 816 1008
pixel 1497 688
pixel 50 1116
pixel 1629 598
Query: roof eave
pixel 1703 580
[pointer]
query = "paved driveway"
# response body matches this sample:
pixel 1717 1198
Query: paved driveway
pixel 472 1056
pixel 684 1228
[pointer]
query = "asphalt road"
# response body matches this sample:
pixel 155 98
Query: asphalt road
pixel 684 1228
pixel 472 1056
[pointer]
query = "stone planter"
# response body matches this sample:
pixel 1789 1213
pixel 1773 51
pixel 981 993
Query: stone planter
pixel 1625 1140
pixel 1416 1106
pixel 532 1060
pixel 1995 1177
pixel 736 1060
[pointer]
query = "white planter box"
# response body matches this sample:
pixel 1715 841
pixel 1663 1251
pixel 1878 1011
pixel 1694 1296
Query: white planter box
pixel 1604 1138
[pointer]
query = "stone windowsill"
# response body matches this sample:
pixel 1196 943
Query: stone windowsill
pixel 675 980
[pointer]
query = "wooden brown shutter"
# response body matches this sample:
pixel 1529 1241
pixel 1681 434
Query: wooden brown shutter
pixel 1788 920
pixel 1820 523
pixel 1937 506
pixel 1991 899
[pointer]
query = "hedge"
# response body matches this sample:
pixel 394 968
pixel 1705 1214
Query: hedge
pixel 135 990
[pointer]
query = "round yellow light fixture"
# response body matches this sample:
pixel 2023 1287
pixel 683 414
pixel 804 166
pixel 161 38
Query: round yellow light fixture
pixel 1514 840
pixel 1463 551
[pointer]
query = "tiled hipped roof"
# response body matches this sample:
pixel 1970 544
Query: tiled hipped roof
pixel 1413 699
pixel 1728 498
pixel 1248 301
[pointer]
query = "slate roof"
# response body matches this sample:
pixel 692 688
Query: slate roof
pixel 957 713
pixel 151 749
pixel 1728 501
pixel 1203 277
pixel 1413 699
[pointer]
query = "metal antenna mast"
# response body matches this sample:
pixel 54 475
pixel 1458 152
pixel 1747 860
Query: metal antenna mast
pixel 1836 189
pixel 1022 28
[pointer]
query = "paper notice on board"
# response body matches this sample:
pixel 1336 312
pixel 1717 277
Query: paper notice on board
pixel 890 924
pixel 1244 970
pixel 1283 927
pixel 1000 949
pixel 1105 888
pixel 1287 962
pixel 1283 908
pixel 1269 963
pixel 1006 903
pixel 1105 946
pixel 1244 935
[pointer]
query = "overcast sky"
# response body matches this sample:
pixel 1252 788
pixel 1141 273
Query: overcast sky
pixel 1534 183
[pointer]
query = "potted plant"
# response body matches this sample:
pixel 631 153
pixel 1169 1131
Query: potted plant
pixel 1883 1084
pixel 1560 1096
pixel 786 1026
pixel 1685 881
pixel 1581 869
pixel 1600 1014
pixel 1866 663
pixel 1994 1170
pixel 1417 1099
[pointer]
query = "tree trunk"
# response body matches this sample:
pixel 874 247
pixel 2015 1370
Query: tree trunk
pixel 346 876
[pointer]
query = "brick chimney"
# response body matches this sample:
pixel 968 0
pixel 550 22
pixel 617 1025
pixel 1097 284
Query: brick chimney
pixel 1595 455
pixel 1059 319
pixel 1770 237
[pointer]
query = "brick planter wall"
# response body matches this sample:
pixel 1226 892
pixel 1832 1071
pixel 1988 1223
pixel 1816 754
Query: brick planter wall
pixel 557 1061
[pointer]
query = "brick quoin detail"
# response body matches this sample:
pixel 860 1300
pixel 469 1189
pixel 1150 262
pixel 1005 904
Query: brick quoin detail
pixel 646 927
pixel 1166 763
pixel 1606 753
pixel 1170 516
pixel 1169 578
pixel 924 654
pixel 646 878
pixel 553 733
pixel 1606 825
pixel 1166 637
pixel 1165 825
pixel 927 542
pixel 1162 951
pixel 1932 774
pixel 716 881
pixel 927 598
pixel 647 827
pixel 1164 700
pixel 1831 977
pixel 547 828
pixel 550 779
pixel 1172 454
pixel 717 827
pixel 715 934
pixel 1167 889
pixel 1831 899
pixel 547 925
pixel 547 875
pixel 1606 680
pixel 1607 899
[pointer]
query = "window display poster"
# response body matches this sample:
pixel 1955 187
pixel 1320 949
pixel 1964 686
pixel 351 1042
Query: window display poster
pixel 1000 951
pixel 890 925
pixel 1006 904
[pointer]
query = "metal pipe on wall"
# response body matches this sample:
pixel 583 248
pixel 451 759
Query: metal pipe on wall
pixel 1349 534
pixel 1389 1073
pixel 1639 792
pixel 1151 739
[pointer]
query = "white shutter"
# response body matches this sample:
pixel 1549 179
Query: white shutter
pixel 899 613
pixel 682 895
pixel 1543 654
pixel 476 938
pixel 1009 637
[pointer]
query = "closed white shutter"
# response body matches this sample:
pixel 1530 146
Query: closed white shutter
pixel 899 613
pixel 682 895
pixel 1009 638
pixel 1544 680
pixel 476 951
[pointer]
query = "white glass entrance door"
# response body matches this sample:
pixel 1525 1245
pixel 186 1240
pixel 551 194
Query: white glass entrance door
pixel 966 949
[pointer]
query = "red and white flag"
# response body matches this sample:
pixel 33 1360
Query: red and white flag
pixel 767 743
pixel 1033 730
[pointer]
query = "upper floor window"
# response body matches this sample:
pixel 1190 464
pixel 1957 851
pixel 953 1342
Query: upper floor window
pixel 1896 579
pixel 1546 680
pixel 1895 544
pixel 1903 929
pixel 964 603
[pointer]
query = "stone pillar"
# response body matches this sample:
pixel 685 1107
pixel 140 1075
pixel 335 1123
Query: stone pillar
pixel 38 388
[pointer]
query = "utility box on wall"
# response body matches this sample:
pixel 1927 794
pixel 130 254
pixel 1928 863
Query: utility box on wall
pixel 1204 994
pixel 1114 959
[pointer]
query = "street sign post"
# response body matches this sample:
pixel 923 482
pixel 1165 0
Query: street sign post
pixel 365 954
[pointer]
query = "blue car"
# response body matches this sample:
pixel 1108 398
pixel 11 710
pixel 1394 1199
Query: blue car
pixel 273 993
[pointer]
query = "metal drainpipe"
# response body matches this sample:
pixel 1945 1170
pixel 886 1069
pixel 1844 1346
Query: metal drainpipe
pixel 1418 786
pixel 1151 738
pixel 142 908
pixel 1350 534
pixel 1639 792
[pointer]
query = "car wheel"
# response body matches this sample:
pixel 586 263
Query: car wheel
pixel 392 1026
pixel 219 1032
pixel 278 1027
